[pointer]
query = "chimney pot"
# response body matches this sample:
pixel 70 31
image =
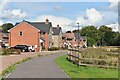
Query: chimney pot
pixel 58 25
pixel 47 20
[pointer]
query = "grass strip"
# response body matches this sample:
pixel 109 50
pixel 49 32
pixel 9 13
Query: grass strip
pixel 12 67
pixel 74 71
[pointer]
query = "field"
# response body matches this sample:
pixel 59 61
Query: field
pixel 74 71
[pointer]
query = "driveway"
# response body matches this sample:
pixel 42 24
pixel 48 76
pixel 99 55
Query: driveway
pixel 39 67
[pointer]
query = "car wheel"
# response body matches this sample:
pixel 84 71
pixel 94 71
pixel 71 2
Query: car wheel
pixel 30 50
pixel 23 50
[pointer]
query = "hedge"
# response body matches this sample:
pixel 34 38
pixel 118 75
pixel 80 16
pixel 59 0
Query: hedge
pixel 10 51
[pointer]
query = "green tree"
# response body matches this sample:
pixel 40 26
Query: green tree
pixel 104 28
pixel 90 41
pixel 118 40
pixel 92 33
pixel 101 31
pixel 6 27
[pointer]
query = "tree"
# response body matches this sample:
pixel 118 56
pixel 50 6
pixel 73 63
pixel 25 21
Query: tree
pixel 92 33
pixel 101 31
pixel 90 41
pixel 6 27
pixel 108 38
pixel 104 28
pixel 118 40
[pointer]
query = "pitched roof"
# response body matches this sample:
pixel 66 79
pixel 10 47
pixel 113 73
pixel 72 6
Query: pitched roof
pixel 5 34
pixel 78 36
pixel 56 30
pixel 42 26
pixel 68 35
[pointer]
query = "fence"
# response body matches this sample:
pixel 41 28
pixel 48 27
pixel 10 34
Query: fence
pixel 75 56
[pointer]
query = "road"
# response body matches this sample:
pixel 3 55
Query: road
pixel 39 67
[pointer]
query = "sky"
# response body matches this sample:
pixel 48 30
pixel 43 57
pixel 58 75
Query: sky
pixel 66 14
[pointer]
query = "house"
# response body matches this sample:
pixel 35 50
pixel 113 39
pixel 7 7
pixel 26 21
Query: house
pixel 79 40
pixel 57 36
pixel 73 40
pixel 37 34
pixel 5 39
pixel 1 37
pixel 68 40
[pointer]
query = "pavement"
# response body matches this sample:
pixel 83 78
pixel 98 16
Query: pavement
pixel 39 67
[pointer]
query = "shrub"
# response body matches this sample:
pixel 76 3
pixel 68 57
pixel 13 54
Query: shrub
pixel 64 48
pixel 10 51
pixel 53 48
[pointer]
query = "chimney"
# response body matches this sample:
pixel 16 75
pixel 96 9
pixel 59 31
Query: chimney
pixel 46 21
pixel 58 25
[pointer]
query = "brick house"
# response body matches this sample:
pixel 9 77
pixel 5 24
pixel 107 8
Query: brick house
pixel 73 40
pixel 68 40
pixel 80 40
pixel 37 34
pixel 57 36
pixel 5 39
pixel 1 37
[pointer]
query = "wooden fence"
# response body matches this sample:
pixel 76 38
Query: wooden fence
pixel 75 56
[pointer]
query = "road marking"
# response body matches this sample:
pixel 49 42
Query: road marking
pixel 8 75
pixel 63 71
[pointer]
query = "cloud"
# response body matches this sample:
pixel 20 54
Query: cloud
pixel 18 13
pixel 3 4
pixel 91 17
pixel 62 21
pixel 7 14
pixel 13 14
pixel 113 26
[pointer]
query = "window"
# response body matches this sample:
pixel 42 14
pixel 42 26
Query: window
pixel 21 33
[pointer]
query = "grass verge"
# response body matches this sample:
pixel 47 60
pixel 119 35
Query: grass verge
pixel 74 71
pixel 12 67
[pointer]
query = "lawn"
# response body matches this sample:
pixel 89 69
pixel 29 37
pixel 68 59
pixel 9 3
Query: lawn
pixel 74 71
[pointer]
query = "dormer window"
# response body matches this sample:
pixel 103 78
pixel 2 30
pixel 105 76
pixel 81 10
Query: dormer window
pixel 21 33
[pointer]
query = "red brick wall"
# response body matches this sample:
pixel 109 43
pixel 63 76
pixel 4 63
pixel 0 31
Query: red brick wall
pixel 46 41
pixel 31 35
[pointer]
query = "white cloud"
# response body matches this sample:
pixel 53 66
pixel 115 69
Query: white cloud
pixel 10 14
pixel 13 14
pixel 113 26
pixel 62 21
pixel 18 13
pixel 3 4
pixel 91 17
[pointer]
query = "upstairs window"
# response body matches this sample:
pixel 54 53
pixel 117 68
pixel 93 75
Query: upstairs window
pixel 21 33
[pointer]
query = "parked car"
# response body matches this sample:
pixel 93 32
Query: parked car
pixel 23 48
pixel 31 48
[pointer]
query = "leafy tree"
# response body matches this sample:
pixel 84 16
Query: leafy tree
pixel 91 32
pixel 104 28
pixel 118 40
pixel 6 27
pixel 90 41
pixel 101 31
